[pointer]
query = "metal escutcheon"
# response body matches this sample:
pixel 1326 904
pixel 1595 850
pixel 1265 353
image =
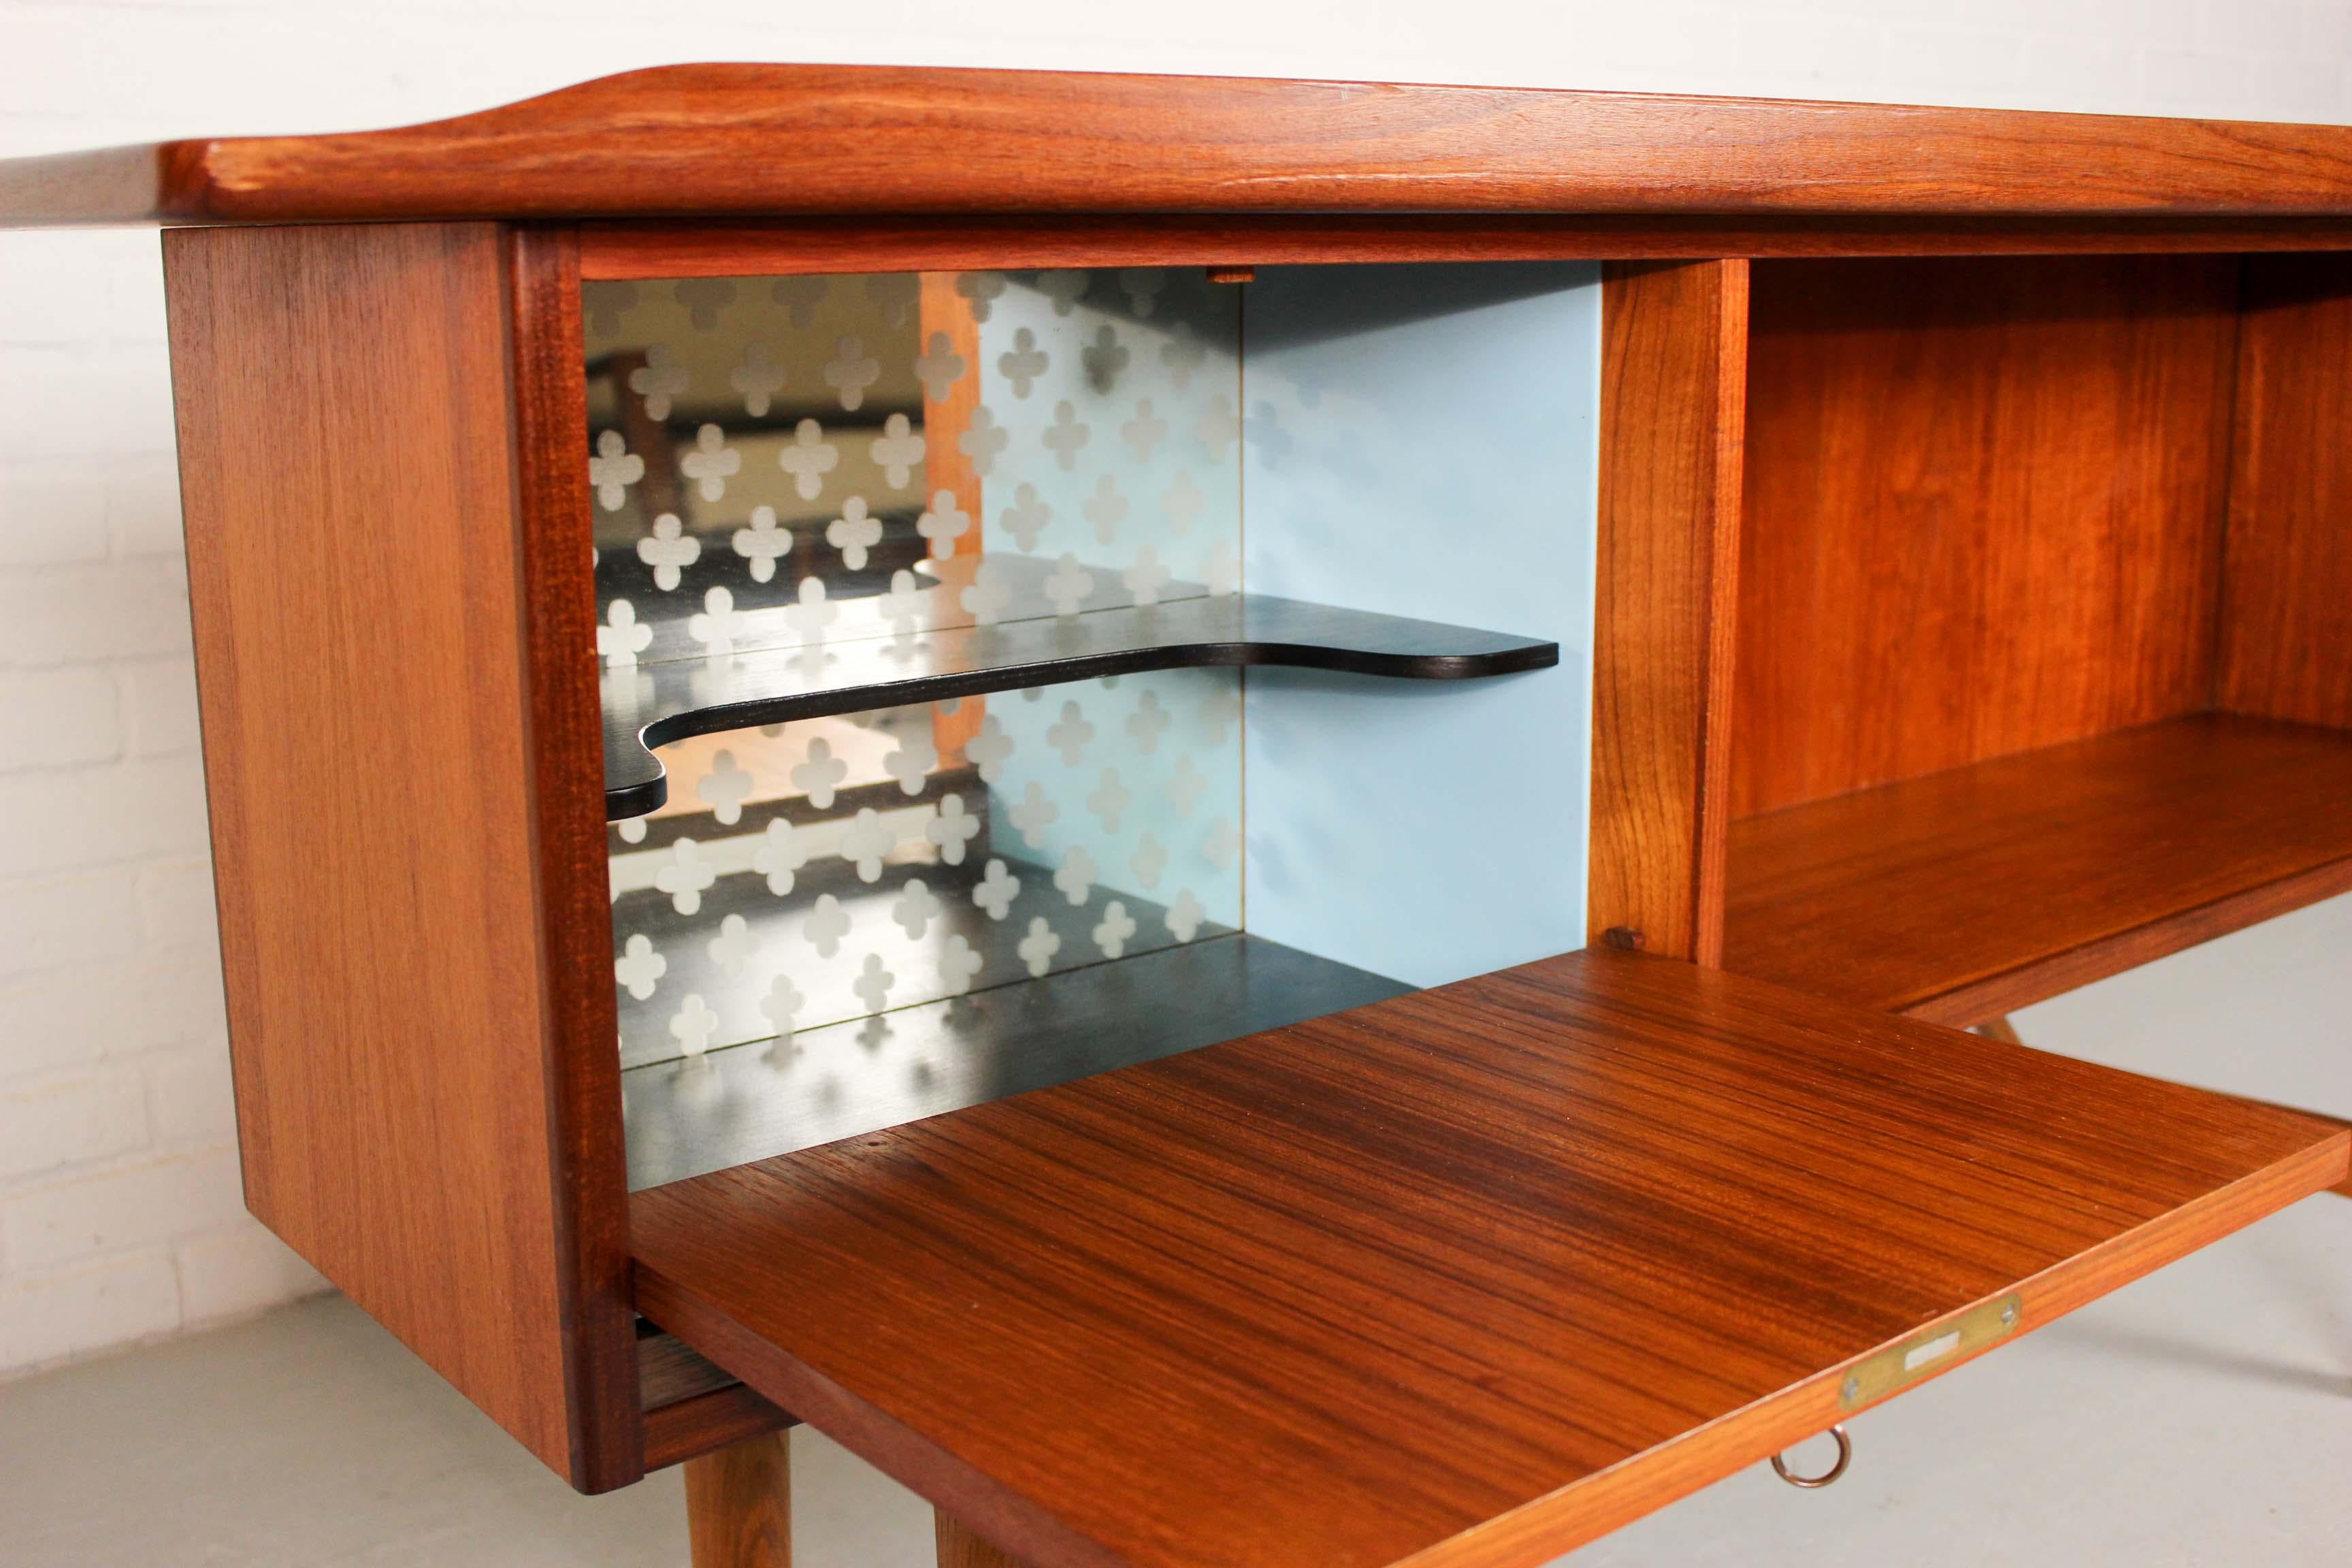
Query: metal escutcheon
pixel 1812 1483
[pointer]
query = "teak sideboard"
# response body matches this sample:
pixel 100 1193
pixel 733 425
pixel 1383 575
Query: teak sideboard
pixel 932 752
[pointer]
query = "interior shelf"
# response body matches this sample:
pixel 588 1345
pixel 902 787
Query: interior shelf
pixel 651 704
pixel 1468 1275
pixel 748 1102
pixel 1966 894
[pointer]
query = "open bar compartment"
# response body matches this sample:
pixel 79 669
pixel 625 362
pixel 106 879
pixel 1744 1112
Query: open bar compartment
pixel 814 490
pixel 1599 1219
pixel 2044 607
pixel 415 848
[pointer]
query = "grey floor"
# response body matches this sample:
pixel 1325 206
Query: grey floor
pixel 2203 1415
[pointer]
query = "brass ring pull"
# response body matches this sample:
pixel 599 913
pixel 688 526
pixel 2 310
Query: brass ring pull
pixel 1815 1483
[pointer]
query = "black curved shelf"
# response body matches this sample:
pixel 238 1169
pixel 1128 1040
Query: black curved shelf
pixel 653 704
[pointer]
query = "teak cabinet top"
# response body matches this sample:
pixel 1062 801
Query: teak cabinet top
pixel 740 141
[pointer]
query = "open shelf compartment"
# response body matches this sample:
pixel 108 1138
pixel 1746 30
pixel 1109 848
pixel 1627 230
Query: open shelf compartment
pixel 1469 1276
pixel 2040 669
pixel 1966 894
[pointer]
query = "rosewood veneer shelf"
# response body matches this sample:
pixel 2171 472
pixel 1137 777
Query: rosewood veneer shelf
pixel 1467 1277
pixel 1966 894
pixel 653 704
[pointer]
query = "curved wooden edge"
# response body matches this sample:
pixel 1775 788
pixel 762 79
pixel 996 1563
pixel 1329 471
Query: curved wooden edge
pixel 735 141
pixel 646 790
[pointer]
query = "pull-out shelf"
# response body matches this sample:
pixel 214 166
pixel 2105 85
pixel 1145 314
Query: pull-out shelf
pixel 1469 1276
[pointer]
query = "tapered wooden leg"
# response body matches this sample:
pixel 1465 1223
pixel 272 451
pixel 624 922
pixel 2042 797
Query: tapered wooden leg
pixel 960 1548
pixel 739 1505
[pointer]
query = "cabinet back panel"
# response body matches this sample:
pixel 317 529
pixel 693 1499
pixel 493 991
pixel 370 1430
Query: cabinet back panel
pixel 1984 503
pixel 1422 443
pixel 2286 609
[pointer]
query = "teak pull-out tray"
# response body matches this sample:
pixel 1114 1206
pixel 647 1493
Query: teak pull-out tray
pixel 1468 1276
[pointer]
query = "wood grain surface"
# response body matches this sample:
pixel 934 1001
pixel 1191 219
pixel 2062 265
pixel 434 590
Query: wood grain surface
pixel 1673 389
pixel 1984 509
pixel 386 964
pixel 739 1505
pixel 960 1547
pixel 564 726
pixel 779 140
pixel 1468 1276
pixel 2286 609
pixel 690 1407
pixel 1967 894
pixel 684 249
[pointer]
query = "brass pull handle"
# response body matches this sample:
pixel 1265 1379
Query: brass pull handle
pixel 1813 1483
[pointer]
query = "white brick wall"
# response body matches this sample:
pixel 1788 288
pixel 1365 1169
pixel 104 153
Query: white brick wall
pixel 120 1217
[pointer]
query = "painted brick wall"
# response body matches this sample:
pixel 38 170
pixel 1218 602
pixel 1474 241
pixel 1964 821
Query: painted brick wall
pixel 120 1215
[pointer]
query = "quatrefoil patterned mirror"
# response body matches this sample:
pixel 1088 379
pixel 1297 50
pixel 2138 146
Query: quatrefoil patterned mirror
pixel 802 461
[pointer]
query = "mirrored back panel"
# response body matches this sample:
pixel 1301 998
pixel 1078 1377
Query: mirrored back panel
pixel 827 484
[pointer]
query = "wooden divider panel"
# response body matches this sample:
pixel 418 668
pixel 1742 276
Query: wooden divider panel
pixel 1672 382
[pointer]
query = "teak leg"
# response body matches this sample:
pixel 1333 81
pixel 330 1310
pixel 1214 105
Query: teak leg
pixel 739 1505
pixel 960 1548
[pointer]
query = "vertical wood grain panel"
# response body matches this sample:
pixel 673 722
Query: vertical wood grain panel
pixel 566 749
pixel 1673 384
pixel 349 483
pixel 1984 503
pixel 2286 613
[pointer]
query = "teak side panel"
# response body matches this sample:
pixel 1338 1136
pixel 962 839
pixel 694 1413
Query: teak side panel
pixel 348 474
pixel 1356 1291
pixel 2286 611
pixel 756 139
pixel 1984 506
pixel 566 738
pixel 1969 894
pixel 1673 389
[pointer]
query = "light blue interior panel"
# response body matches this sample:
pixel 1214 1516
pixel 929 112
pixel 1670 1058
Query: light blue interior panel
pixel 1423 441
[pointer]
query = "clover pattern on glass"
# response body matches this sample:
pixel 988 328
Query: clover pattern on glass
pixel 796 463
pixel 826 870
pixel 761 435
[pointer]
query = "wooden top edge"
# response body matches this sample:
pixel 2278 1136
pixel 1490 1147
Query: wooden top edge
pixel 782 140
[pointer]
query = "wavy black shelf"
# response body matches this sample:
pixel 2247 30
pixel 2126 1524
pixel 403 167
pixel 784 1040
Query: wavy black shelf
pixel 653 704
